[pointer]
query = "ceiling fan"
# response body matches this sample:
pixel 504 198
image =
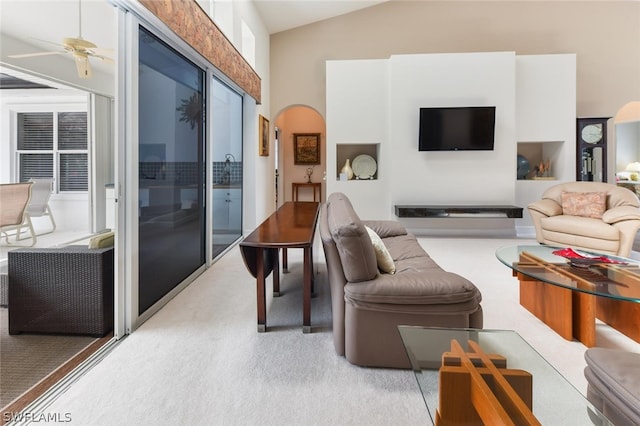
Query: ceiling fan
pixel 80 48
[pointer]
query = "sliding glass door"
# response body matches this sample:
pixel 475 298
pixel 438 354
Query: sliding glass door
pixel 171 202
pixel 226 148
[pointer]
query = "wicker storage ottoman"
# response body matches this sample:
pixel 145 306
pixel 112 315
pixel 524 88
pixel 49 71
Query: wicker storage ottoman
pixel 4 290
pixel 66 290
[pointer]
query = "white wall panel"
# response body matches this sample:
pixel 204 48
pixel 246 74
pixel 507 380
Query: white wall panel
pixel 460 177
pixel 357 113
pixel 545 117
pixel 378 101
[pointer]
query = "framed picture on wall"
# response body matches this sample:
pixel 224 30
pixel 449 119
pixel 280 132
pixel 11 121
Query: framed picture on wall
pixel 263 138
pixel 306 148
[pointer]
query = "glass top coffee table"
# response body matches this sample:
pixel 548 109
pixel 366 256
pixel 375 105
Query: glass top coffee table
pixel 569 294
pixel 553 400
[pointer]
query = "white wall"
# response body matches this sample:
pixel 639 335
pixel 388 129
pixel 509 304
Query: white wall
pixel 378 101
pixel 358 113
pixel 546 121
pixel 459 177
pixel 259 172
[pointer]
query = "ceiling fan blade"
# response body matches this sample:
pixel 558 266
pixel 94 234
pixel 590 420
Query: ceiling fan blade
pixel 101 51
pixel 29 55
pixel 47 41
pixel 83 66
pixel 103 58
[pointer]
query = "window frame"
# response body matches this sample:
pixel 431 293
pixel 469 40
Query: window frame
pixel 54 108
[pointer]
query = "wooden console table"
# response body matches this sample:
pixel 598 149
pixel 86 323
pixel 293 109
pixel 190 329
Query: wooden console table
pixel 292 226
pixel 316 187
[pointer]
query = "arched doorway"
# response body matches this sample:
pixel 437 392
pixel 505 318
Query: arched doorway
pixel 298 119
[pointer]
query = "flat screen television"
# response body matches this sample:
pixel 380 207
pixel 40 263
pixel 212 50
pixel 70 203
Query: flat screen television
pixel 468 128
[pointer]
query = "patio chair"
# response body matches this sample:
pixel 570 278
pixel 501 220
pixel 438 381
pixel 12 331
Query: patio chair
pixel 14 199
pixel 39 202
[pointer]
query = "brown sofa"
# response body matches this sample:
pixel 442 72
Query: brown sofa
pixel 614 232
pixel 368 305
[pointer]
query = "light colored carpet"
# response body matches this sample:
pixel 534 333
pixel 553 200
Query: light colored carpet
pixel 25 359
pixel 200 361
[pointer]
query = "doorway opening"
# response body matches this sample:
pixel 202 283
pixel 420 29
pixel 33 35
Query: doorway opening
pixel 292 121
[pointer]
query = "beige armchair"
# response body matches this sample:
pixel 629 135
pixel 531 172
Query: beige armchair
pixel 595 216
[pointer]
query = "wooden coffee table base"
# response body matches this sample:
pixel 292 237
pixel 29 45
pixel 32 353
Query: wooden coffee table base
pixel 572 314
pixel 621 315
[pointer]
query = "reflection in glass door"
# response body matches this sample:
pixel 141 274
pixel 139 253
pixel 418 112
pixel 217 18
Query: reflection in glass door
pixel 227 167
pixel 171 169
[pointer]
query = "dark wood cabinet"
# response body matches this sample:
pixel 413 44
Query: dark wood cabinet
pixel 591 149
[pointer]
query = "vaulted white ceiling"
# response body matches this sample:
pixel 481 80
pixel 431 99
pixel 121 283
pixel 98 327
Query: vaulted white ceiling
pixel 281 15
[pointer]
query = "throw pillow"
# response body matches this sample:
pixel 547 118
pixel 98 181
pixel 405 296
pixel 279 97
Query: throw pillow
pixel 585 204
pixel 385 261
pixel 101 240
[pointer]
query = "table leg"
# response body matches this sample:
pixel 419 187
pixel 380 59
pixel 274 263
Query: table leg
pixel 622 315
pixel 313 276
pixel 285 261
pixel 260 284
pixel 584 318
pixel 551 304
pixel 306 306
pixel 569 313
pixel 276 274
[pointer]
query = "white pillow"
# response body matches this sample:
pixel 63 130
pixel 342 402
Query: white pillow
pixel 385 261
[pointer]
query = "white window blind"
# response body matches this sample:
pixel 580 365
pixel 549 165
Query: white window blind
pixel 54 145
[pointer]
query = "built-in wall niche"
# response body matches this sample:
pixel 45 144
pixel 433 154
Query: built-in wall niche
pixel 351 151
pixel 547 153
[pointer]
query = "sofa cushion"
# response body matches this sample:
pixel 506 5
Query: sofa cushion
pixel 405 247
pixel 385 262
pixel 414 287
pixel 586 204
pixel 576 225
pixel 613 375
pixel 418 280
pixel 357 255
pixel 386 228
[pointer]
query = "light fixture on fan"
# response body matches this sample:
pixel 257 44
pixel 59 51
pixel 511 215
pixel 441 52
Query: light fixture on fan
pixel 82 64
pixel 80 48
